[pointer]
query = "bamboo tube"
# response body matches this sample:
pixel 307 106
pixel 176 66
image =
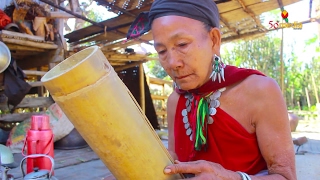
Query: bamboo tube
pixel 102 109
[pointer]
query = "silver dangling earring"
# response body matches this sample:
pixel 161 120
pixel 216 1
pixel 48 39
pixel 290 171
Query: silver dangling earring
pixel 175 85
pixel 217 69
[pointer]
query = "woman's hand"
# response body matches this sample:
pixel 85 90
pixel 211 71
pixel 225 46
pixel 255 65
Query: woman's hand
pixel 201 170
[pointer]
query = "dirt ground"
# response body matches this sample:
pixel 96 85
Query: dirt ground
pixel 308 128
pixel 308 155
pixel 84 164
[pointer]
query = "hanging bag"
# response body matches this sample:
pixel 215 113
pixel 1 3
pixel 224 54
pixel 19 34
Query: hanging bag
pixel 15 86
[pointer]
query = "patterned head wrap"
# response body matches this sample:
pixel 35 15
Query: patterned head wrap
pixel 205 11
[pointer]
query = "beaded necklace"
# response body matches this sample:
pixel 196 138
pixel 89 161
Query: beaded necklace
pixel 198 114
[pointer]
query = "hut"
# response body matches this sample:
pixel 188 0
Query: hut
pixel 38 47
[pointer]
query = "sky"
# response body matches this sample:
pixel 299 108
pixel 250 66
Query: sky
pixel 300 12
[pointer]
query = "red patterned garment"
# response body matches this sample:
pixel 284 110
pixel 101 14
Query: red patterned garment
pixel 228 143
pixel 4 19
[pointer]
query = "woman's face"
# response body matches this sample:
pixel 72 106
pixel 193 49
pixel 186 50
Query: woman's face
pixel 185 49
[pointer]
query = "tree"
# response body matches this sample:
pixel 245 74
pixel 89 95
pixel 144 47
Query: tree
pixel 262 54
pixel 154 68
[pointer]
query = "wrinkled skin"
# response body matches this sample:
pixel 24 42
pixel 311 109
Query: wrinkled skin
pixel 185 51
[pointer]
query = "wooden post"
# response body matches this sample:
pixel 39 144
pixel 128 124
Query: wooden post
pixel 282 67
pixel 148 80
pixel 40 88
pixel 308 98
pixel 163 104
pixel 292 97
pixel 315 88
pixel 142 94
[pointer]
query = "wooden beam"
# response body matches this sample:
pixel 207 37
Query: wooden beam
pixel 242 36
pixel 16 35
pixel 123 44
pixel 161 113
pixel 18 47
pixel 131 57
pixel 17 117
pixel 117 63
pixel 109 36
pixel 24 42
pixel 36 84
pixel 105 3
pixel 42 59
pixel 111 24
pixel 228 26
pixel 74 4
pixel 36 102
pixel 117 69
pixel 280 5
pixel 159 81
pixel 36 73
pixel 72 13
pixel 252 34
pixel 158 97
pixel 59 14
pixel 248 11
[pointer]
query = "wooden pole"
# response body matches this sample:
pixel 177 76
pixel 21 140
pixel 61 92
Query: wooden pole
pixel 282 67
pixel 308 98
pixel 142 94
pixel 163 104
pixel 292 97
pixel 40 88
pixel 315 88
pixel 72 13
pixel 34 73
pixel 148 80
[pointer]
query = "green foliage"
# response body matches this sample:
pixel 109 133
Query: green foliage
pixel 262 54
pixel 93 15
pixel 312 40
pixel 155 69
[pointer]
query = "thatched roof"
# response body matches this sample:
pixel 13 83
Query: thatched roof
pixel 239 18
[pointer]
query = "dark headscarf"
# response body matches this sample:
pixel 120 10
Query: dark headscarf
pixel 205 11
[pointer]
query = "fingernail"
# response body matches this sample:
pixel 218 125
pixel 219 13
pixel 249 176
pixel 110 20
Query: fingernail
pixel 167 171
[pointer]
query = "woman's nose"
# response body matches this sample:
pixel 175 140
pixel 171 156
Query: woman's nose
pixel 175 61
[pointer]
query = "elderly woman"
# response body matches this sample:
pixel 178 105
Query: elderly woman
pixel 224 122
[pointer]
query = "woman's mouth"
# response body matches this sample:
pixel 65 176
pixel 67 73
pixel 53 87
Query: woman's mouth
pixel 182 77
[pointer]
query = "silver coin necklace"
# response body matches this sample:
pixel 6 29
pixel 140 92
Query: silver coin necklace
pixel 200 110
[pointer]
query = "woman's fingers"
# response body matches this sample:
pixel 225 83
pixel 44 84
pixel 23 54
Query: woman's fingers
pixel 194 167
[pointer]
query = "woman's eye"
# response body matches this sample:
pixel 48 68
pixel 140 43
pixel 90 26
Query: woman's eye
pixel 182 44
pixel 162 52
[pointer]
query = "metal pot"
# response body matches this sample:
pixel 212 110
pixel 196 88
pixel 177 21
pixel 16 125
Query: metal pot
pixel 37 174
pixel 5 57
pixel 6 157
pixel 71 141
